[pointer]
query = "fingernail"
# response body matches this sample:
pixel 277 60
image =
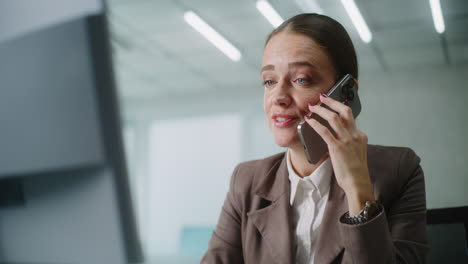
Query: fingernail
pixel 324 95
pixel 308 116
pixel 310 104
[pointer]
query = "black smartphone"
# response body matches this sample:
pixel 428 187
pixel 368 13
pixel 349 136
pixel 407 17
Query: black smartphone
pixel 314 146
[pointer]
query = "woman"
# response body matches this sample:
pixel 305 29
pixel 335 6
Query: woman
pixel 359 204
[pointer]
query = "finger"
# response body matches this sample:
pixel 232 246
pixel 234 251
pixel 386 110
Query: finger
pixel 345 111
pixel 333 119
pixel 322 130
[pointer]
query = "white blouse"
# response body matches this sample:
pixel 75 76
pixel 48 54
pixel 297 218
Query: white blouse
pixel 309 197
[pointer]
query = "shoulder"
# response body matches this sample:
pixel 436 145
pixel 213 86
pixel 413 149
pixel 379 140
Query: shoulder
pixel 391 152
pixel 395 159
pixel 247 173
pixel 393 168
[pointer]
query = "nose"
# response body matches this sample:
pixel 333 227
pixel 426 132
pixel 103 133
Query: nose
pixel 282 97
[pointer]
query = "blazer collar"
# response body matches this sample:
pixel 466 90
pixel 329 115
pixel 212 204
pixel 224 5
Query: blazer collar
pixel 273 181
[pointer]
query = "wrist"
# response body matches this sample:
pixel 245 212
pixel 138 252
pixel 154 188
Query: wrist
pixel 357 199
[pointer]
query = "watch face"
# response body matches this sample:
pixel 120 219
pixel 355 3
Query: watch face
pixel 371 209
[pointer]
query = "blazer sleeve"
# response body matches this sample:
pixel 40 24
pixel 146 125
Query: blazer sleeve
pixel 225 244
pixel 398 234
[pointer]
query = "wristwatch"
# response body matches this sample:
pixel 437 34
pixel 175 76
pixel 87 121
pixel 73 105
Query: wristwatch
pixel 371 210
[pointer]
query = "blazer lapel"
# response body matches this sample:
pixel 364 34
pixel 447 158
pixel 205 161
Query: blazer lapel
pixel 330 243
pixel 274 221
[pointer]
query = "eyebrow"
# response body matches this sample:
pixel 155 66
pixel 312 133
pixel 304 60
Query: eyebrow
pixel 270 67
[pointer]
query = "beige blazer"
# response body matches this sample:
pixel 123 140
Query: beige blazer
pixel 255 225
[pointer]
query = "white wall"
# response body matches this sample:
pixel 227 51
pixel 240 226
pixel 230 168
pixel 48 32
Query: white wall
pixel 191 160
pixel 425 110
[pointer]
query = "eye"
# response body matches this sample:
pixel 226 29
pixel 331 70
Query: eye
pixel 302 81
pixel 268 83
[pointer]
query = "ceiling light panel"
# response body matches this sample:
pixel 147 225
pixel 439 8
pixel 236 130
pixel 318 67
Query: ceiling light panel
pixel 437 16
pixel 269 13
pixel 357 19
pixel 212 35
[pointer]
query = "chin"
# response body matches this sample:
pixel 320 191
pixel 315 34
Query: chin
pixel 282 144
pixel 284 137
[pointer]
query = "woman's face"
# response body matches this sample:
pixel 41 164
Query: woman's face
pixel 295 71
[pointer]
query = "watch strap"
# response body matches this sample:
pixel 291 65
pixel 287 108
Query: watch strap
pixel 371 209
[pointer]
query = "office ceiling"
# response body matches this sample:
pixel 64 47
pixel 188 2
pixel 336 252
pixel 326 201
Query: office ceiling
pixel 158 56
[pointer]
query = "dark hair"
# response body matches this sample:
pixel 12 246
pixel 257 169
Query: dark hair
pixel 329 34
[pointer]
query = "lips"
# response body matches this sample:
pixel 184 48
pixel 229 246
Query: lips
pixel 283 120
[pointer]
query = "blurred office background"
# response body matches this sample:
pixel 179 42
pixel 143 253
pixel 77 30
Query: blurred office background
pixel 190 113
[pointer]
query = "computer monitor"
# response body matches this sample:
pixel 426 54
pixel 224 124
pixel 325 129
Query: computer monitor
pixel 64 188
pixel 447 232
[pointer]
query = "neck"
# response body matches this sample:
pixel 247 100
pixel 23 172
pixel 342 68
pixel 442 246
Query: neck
pixel 300 163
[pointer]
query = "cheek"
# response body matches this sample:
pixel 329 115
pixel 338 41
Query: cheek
pixel 266 103
pixel 306 100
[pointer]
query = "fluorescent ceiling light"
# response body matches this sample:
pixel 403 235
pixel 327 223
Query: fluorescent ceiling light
pixel 437 16
pixel 269 13
pixel 214 37
pixel 358 20
pixel 309 6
